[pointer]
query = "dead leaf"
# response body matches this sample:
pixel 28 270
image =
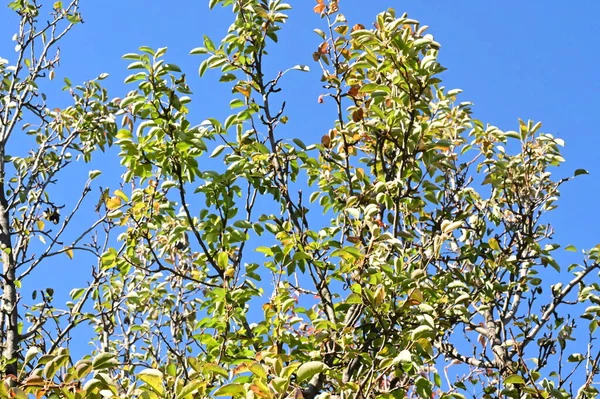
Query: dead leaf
pixel 323 48
pixel 354 90
pixel 320 7
pixel 358 115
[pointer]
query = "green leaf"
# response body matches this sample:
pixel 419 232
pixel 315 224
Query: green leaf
pixel 493 243
pixel 94 173
pixel 354 298
pixel 514 379
pixel 189 389
pixel 31 353
pixel 203 67
pixel 299 143
pixel 236 103
pixel 199 50
pixel 209 44
pixel 308 370
pixel 230 390
pixel 219 149
pixel 131 56
pixel 215 368
pixel 581 172
pixel 403 357
pixel 227 77
pixel 104 360
pixel 172 68
pixel 258 370
pixel 576 357
pixel 154 379
pixel 242 224
pixel 147 50
pixel 421 331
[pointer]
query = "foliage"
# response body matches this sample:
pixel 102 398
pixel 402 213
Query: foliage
pixel 405 255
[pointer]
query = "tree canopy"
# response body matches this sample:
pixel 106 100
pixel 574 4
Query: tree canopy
pixel 407 254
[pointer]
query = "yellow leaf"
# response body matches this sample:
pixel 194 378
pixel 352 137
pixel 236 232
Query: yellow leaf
pixel 244 90
pixel 121 195
pixel 40 225
pixel 113 203
pixel 229 272
pixel 69 253
pixel 493 243
pixel 379 295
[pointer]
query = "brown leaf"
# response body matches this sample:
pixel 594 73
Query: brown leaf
pixel 346 53
pixel 34 381
pixel 354 91
pixel 326 141
pixel 358 115
pixel 358 27
pixel 323 48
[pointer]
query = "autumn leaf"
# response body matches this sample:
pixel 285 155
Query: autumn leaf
pixel 245 91
pixel 358 115
pixel 358 27
pixel 113 203
pixel 323 48
pixel 320 7
pixel 326 141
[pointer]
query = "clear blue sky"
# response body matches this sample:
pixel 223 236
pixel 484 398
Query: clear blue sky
pixel 514 59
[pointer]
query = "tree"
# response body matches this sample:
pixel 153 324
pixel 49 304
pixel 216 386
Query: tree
pixel 406 253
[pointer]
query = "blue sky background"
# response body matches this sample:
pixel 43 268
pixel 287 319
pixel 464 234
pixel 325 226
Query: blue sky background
pixel 514 59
